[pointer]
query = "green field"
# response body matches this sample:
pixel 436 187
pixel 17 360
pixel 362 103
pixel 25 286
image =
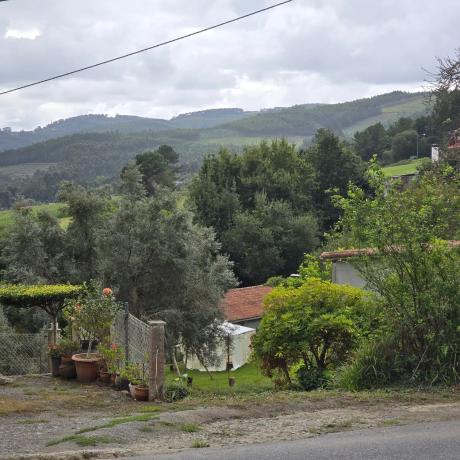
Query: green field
pixel 58 210
pixel 401 169
pixel 248 379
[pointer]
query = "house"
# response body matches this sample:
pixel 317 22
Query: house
pixel 244 306
pixel 343 271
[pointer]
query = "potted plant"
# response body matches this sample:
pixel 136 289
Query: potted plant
pixel 112 358
pixel 92 314
pixel 55 356
pixel 67 348
pixel 140 381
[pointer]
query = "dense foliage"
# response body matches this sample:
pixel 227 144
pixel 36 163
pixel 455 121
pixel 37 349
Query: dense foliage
pixel 415 271
pixel 309 329
pixel 269 205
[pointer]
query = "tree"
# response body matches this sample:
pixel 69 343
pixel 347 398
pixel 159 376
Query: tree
pixel 335 165
pixel 34 249
pixel 404 145
pixel 372 141
pixel 315 324
pixel 158 168
pixel 269 240
pixel 414 268
pixel 165 266
pixel 88 210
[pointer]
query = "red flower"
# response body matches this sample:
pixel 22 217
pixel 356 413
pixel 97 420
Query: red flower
pixel 113 346
pixel 107 292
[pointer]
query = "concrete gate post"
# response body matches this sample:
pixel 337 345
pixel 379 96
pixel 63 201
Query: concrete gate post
pixel 156 359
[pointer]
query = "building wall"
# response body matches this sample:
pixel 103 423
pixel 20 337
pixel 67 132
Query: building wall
pixel 344 273
pixel 253 323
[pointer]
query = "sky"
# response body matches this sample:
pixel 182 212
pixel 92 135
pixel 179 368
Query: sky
pixel 303 52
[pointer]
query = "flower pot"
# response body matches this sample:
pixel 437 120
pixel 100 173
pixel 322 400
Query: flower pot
pixel 231 381
pixel 131 391
pixel 55 363
pixel 104 376
pixel 141 393
pixel 87 366
pixel 67 360
pixel 67 369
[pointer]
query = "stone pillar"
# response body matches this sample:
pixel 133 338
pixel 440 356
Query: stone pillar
pixel 156 359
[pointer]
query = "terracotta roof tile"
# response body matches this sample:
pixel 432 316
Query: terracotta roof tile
pixel 244 303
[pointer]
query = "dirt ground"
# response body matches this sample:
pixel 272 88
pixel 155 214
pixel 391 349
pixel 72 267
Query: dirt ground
pixel 45 418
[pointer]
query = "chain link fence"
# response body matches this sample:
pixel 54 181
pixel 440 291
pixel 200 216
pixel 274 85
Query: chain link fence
pixel 133 335
pixel 23 353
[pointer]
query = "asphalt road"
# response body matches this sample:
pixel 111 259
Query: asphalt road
pixel 438 440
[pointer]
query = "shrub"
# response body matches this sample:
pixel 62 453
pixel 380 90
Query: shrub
pixel 175 392
pixel 317 324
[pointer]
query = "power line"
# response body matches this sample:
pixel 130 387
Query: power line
pixel 182 37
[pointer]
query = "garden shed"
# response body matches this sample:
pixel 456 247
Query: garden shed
pixel 239 338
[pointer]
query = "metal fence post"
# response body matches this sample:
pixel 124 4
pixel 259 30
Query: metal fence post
pixel 156 359
pixel 126 324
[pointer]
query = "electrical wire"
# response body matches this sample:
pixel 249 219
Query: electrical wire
pixel 143 50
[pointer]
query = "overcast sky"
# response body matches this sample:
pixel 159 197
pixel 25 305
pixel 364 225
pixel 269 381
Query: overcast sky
pixel 305 51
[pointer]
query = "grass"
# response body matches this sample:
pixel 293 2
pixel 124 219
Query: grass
pixel 400 169
pixel 199 444
pixel 249 379
pixel 119 421
pixel 32 421
pixel 189 427
pixel 391 422
pixel 84 441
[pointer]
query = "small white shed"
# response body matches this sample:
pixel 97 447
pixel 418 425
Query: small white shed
pixel 240 348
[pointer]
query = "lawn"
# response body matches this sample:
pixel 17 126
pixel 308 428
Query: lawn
pixel 401 169
pixel 248 379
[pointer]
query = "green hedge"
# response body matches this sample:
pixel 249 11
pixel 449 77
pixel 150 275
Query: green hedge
pixel 37 295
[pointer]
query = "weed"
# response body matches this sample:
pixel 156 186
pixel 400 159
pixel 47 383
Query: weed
pixel 199 444
pixel 150 409
pixel 190 427
pixel 84 441
pixel 119 421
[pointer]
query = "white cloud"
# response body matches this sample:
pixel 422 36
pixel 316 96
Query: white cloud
pixel 313 51
pixel 28 34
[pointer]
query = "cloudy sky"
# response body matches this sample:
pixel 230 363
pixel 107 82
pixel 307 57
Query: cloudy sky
pixel 305 51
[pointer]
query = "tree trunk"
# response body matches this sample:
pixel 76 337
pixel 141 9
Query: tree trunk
pixel 173 355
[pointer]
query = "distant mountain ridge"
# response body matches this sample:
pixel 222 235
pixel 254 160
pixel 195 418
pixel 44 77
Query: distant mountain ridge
pixel 97 123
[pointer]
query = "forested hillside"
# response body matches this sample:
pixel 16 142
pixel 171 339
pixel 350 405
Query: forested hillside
pixel 98 155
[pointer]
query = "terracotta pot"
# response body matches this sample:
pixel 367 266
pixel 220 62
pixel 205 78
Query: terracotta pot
pixel 55 363
pixel 104 376
pixel 141 393
pixel 67 369
pixel 87 367
pixel 67 360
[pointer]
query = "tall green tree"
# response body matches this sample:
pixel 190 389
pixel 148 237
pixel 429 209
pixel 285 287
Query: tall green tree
pixel 335 166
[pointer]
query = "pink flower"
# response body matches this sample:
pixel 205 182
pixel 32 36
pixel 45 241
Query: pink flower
pixel 107 292
pixel 113 346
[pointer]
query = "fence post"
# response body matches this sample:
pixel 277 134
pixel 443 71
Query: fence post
pixel 126 328
pixel 156 359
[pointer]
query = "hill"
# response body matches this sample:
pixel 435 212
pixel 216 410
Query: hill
pixel 95 154
pixel 120 123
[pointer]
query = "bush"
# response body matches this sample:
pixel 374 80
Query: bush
pixel 175 392
pixel 310 378
pixel 317 324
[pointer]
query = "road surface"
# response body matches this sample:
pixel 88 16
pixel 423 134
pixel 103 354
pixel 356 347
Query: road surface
pixel 436 440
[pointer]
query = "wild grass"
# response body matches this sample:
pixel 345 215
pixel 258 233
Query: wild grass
pixel 199 444
pixel 85 441
pixel 189 427
pixel 119 421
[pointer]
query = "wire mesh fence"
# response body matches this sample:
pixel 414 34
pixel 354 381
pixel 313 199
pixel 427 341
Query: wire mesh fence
pixel 133 335
pixel 23 353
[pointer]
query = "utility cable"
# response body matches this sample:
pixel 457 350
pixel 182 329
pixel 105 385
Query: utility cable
pixel 158 45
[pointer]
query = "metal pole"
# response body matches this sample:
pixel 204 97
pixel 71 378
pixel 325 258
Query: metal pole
pixel 126 321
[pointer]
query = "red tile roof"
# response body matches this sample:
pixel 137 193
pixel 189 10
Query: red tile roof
pixel 244 303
